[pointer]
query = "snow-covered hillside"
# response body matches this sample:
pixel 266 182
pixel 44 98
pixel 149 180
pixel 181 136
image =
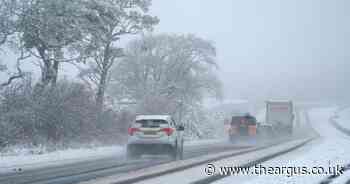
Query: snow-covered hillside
pixel 344 118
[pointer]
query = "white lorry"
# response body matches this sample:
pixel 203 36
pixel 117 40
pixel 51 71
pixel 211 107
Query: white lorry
pixel 280 115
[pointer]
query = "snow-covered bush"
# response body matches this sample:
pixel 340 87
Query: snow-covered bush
pixel 56 117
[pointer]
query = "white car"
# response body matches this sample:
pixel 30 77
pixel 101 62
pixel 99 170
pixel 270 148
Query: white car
pixel 155 134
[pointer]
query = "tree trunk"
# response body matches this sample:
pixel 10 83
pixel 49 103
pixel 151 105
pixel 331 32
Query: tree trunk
pixel 101 90
pixel 58 55
pixel 49 71
pixel 54 73
pixel 45 74
pixel 103 78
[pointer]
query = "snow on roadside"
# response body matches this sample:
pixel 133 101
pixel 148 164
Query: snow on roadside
pixel 330 149
pixel 31 161
pixel 344 118
pixel 342 179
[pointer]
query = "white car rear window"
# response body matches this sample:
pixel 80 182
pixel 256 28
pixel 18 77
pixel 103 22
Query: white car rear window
pixel 149 123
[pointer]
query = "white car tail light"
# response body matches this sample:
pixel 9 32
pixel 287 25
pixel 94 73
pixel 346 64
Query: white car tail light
pixel 168 131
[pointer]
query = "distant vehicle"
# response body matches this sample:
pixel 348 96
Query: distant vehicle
pixel 155 134
pixel 241 127
pixel 280 115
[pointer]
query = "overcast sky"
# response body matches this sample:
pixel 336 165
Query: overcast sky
pixel 270 47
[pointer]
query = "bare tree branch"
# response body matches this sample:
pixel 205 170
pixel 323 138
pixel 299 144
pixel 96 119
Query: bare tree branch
pixel 19 74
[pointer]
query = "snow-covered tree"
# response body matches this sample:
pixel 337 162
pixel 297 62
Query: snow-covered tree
pixel 46 28
pixel 6 25
pixel 8 28
pixel 106 22
pixel 7 19
pixel 167 74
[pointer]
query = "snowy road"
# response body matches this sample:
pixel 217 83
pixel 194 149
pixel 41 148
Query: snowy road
pixel 330 149
pixel 10 163
pixel 68 169
pixel 192 170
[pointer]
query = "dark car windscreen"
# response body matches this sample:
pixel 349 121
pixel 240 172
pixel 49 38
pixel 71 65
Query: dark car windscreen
pixel 149 123
pixel 238 120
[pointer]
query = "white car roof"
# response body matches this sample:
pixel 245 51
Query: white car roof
pixel 279 101
pixel 153 117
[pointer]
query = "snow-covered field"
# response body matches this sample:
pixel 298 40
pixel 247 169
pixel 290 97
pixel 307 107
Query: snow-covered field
pixel 332 148
pixel 344 118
